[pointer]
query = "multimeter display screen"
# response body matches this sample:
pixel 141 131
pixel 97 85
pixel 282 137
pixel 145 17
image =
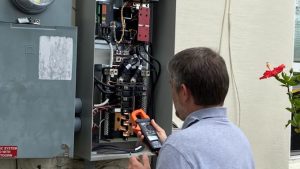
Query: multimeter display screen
pixel 151 138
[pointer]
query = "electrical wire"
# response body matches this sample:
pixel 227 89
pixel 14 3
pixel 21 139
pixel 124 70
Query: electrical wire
pixel 102 104
pixel 111 58
pixel 118 150
pixel 154 83
pixel 222 27
pixel 103 91
pixel 155 71
pixel 143 58
pixel 151 64
pixel 231 66
pixel 102 83
pixel 123 24
pixel 174 125
pixel 111 54
pixel 155 60
pixel 135 60
pixel 227 9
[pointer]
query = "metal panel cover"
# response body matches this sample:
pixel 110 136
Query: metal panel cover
pixel 37 114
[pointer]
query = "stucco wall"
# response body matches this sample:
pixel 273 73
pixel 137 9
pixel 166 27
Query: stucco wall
pixel 260 31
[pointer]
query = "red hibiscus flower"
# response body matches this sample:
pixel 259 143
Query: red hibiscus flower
pixel 272 73
pixel 289 81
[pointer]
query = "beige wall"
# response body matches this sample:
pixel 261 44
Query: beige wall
pixel 261 31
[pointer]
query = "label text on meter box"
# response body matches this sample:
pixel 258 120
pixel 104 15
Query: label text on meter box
pixel 8 151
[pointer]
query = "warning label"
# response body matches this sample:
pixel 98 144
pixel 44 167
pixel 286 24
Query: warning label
pixel 8 151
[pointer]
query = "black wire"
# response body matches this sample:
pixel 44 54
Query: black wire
pixel 102 83
pixel 103 91
pixel 156 73
pixel 155 60
pixel 106 40
pixel 150 106
pixel 116 148
pixel 153 81
pixel 146 60
pixel 119 149
pixel 153 84
pixel 136 61
pixel 174 125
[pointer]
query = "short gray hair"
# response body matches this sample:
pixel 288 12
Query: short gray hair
pixel 204 73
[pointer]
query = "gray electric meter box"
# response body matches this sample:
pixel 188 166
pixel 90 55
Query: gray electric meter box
pixel 37 80
pixel 37 90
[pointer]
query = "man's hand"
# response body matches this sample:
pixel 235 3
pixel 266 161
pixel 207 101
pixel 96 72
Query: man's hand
pixel 160 132
pixel 136 163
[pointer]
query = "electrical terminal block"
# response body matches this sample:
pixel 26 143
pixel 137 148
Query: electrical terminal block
pixel 145 73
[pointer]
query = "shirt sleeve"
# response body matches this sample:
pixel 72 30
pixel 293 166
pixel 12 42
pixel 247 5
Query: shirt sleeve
pixel 170 158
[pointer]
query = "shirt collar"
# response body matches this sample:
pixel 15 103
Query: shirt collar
pixel 203 114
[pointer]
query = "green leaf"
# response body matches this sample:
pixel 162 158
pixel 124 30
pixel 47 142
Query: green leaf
pixel 295 120
pixel 292 82
pixel 297 117
pixel 293 123
pixel 280 80
pixel 289 109
pixel 295 78
pixel 288 123
pixel 285 77
pixel 296 102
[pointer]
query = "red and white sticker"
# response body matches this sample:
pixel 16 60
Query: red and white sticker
pixel 8 151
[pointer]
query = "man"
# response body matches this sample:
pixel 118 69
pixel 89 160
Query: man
pixel 199 82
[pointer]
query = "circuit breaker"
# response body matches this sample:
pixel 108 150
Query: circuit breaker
pixel 121 55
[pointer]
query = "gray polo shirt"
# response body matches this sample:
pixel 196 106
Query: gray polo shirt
pixel 208 141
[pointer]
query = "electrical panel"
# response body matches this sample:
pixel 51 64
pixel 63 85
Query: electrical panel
pixel 118 72
pixel 128 81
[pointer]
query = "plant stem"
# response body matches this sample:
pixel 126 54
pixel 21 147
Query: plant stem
pixel 291 98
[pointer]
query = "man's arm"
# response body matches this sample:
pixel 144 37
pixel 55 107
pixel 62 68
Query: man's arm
pixel 170 158
pixel 136 163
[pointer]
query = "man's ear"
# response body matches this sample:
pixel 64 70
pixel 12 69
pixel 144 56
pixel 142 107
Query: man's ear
pixel 185 93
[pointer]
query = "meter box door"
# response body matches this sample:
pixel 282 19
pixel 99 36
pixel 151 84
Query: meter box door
pixel 37 90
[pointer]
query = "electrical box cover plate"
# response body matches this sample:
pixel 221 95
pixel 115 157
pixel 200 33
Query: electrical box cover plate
pixel 37 90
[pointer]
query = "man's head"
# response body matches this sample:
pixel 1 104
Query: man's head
pixel 199 79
